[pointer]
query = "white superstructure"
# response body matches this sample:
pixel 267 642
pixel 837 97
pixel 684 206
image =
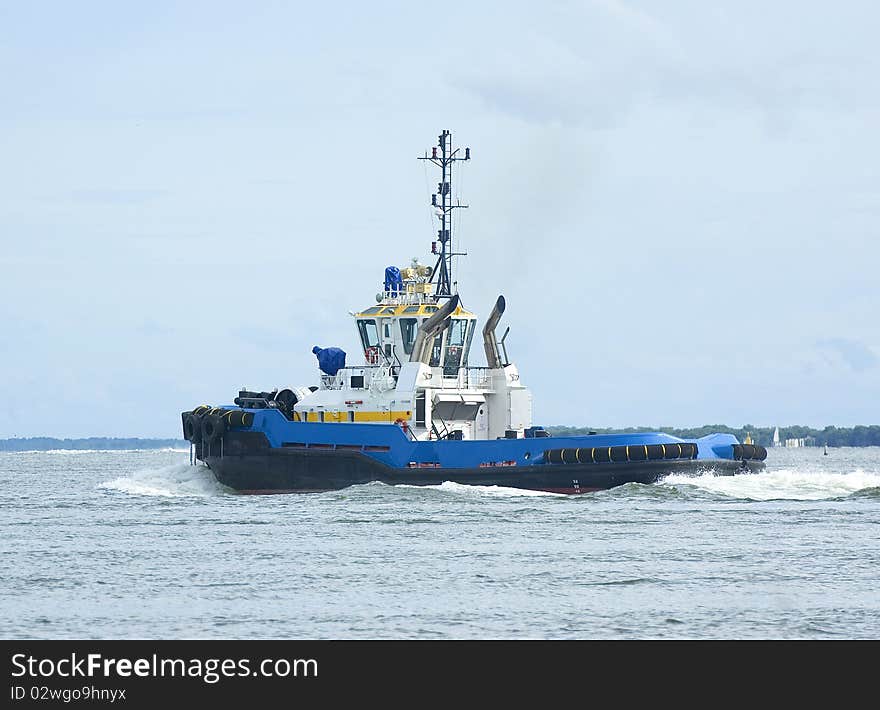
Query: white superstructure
pixel 416 342
pixel 416 374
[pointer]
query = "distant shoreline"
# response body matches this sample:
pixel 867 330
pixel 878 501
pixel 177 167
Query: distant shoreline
pixel 859 435
pixel 829 436
pixel 94 443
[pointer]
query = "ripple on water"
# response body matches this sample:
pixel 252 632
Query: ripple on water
pixel 141 544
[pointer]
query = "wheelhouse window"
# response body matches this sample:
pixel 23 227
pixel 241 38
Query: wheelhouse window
pixel 472 324
pixel 455 341
pixel 408 329
pixel 369 333
pixel 436 349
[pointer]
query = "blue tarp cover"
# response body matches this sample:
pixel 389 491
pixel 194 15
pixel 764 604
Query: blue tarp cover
pixel 330 360
pixel 393 280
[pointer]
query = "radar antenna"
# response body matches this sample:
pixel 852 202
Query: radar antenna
pixel 442 202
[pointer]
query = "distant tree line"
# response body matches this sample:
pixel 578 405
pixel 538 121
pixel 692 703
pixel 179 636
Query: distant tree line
pixel 829 436
pixel 103 443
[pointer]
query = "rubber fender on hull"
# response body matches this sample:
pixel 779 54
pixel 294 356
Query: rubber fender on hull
pixel 601 454
pixel 637 453
pixel 619 454
pixel 655 451
pixel 207 423
pixel 192 430
pixel 672 451
pixel 749 452
pixel 192 427
pixel 213 426
pixel 236 418
pixel 192 423
pixel 232 417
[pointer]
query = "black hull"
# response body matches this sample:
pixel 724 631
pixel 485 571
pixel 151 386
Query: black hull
pixel 248 465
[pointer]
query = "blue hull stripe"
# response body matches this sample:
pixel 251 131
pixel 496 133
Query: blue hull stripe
pixel 388 443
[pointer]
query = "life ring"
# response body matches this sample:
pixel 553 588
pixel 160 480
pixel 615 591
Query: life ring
pixel 372 354
pixel 403 424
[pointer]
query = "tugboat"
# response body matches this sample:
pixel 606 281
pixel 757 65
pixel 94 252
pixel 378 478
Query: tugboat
pixel 416 411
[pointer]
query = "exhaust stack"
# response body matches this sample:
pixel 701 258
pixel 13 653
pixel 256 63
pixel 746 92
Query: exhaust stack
pixel 430 329
pixel 490 342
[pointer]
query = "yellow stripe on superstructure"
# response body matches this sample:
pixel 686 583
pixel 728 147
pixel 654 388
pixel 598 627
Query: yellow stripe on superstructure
pixel 381 416
pixel 341 416
pixel 424 309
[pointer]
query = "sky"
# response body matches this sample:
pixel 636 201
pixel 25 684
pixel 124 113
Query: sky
pixel 680 201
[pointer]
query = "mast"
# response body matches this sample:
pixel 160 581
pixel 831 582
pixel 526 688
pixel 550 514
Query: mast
pixel 442 202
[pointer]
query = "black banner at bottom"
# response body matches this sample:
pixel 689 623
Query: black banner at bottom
pixel 274 673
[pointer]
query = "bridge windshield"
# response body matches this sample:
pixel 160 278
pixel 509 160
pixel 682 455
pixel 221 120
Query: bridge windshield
pixel 455 340
pixel 369 336
pixel 408 329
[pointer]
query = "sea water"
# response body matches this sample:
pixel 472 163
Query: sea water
pixel 139 544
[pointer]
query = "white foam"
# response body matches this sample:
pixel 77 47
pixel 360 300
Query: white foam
pixel 67 452
pixel 492 491
pixel 177 480
pixel 784 484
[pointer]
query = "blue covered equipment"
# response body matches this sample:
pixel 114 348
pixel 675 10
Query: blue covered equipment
pixel 393 280
pixel 330 360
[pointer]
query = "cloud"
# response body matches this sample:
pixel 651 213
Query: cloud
pixel 853 353
pixel 597 63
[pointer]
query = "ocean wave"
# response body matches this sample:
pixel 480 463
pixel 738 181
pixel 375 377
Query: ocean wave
pixel 94 451
pixel 784 484
pixel 177 480
pixel 491 491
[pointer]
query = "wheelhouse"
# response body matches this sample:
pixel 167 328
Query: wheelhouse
pixel 388 333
